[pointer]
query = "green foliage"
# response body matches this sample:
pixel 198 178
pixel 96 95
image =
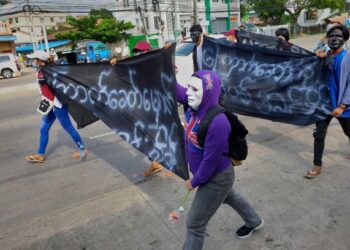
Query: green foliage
pixel 272 11
pixel 244 9
pixel 98 25
pixel 102 13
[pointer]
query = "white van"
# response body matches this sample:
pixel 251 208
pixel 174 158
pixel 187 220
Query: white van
pixel 9 66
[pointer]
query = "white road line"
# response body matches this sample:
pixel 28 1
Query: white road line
pixel 102 135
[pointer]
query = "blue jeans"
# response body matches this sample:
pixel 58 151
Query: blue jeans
pixel 62 115
pixel 209 197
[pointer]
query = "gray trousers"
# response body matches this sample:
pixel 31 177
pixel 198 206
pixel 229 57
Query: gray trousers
pixel 208 199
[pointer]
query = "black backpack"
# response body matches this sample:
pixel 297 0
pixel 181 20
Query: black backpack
pixel 238 147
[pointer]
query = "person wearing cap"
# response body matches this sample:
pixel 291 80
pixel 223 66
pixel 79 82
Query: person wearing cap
pixel 140 48
pixel 56 110
pixel 231 36
pixel 339 93
pixel 196 33
pixel 322 48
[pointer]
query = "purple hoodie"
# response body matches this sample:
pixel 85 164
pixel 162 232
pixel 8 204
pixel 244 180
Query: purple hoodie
pixel 205 162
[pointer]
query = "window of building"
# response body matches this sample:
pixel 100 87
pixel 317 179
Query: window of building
pixel 126 3
pixel 16 19
pixel 145 5
pixel 311 15
pixel 156 23
pixel 52 19
pixel 147 22
pixel 137 21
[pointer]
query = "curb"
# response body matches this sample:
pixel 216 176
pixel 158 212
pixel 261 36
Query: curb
pixel 18 88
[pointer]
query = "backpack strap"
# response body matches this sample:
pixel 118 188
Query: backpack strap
pixel 205 123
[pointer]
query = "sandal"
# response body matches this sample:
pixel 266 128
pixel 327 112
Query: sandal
pixel 36 158
pixel 80 154
pixel 169 174
pixel 155 167
pixel 310 174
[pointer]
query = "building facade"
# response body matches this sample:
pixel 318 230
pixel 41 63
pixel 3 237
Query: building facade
pixel 7 39
pixel 168 18
pixel 30 27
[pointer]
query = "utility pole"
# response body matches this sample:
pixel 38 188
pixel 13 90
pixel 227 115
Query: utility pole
pixel 195 12
pixel 143 22
pixel 27 9
pixel 45 34
pixel 175 20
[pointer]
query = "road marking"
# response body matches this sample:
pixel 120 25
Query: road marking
pixel 102 135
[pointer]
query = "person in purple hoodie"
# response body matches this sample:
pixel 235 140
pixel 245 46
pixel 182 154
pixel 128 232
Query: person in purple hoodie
pixel 213 174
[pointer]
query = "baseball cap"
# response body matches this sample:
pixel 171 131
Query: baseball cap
pixel 39 54
pixel 142 46
pixel 230 33
pixel 336 19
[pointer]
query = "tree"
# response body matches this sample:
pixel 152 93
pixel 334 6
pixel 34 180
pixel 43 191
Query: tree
pixel 98 25
pixel 274 9
pixel 101 13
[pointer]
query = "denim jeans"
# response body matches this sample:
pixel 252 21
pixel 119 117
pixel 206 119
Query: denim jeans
pixel 206 202
pixel 320 136
pixel 62 115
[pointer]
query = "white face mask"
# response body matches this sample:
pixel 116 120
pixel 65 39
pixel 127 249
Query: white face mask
pixel 194 92
pixel 331 25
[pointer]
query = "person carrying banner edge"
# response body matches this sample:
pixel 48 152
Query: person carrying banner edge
pixel 213 175
pixel 59 111
pixel 196 33
pixel 322 49
pixel 155 167
pixel 339 90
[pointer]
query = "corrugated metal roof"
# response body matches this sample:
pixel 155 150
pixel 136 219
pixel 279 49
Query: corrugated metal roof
pixel 52 44
pixel 7 38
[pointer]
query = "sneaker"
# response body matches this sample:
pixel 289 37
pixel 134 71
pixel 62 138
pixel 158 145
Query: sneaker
pixel 245 232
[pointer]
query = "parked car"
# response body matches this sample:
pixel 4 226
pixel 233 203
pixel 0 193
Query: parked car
pixel 184 61
pixel 9 66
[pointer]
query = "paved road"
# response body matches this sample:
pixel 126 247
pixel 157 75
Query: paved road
pixel 104 202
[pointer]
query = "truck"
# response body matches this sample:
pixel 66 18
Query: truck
pixel 97 51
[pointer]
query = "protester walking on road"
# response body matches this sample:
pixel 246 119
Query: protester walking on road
pixel 339 88
pixel 52 108
pixel 213 174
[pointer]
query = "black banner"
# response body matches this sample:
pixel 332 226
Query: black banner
pixel 136 98
pixel 263 79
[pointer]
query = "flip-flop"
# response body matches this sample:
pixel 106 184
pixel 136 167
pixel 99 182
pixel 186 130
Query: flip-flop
pixel 311 174
pixel 34 159
pixel 151 171
pixel 79 154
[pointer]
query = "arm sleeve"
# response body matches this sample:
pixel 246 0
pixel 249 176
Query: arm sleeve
pixel 345 77
pixel 216 143
pixel 181 96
